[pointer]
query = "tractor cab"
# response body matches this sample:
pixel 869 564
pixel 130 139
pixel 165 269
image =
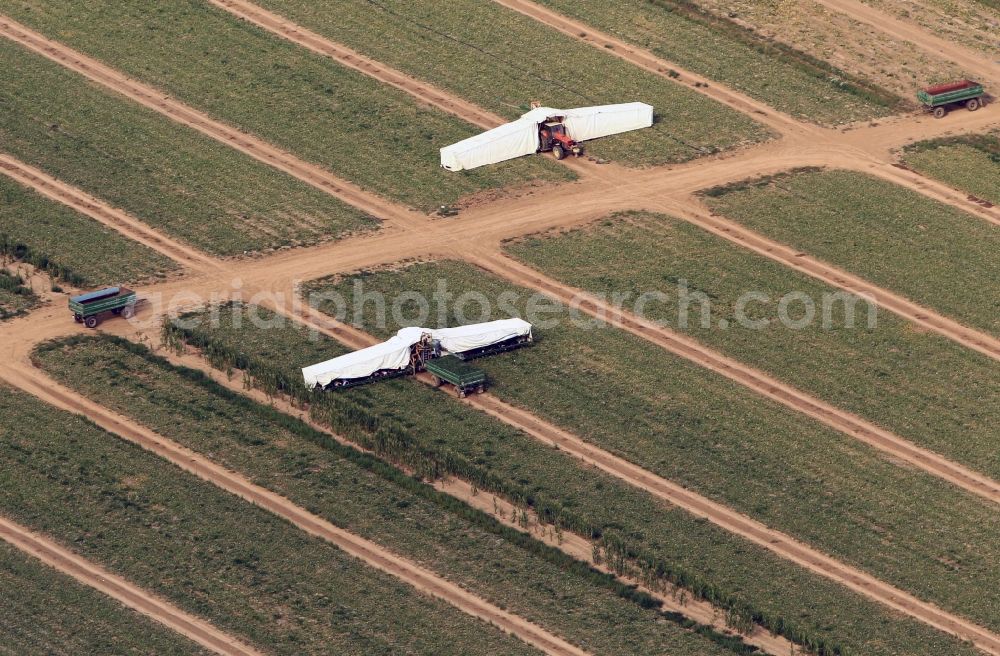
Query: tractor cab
pixel 552 136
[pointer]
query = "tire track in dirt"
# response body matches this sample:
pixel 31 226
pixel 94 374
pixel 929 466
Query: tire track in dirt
pixel 497 507
pixel 779 543
pixel 765 114
pixel 118 220
pixel 758 381
pixel 37 383
pixel 691 210
pixel 175 110
pixel 426 93
pixel 975 62
pixel 139 600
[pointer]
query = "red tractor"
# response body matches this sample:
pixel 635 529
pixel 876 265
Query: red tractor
pixel 552 136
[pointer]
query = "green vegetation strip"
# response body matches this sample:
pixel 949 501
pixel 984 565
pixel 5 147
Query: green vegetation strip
pixel 210 553
pixel 45 612
pixel 373 499
pixel 922 386
pixel 68 245
pixel 718 48
pixel 372 134
pixel 167 175
pixel 444 436
pixel 968 162
pixel 724 441
pixel 15 298
pixel 934 254
pixel 502 60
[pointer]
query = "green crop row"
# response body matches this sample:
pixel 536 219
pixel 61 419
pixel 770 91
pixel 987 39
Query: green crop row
pixel 718 48
pixel 502 60
pixel 211 553
pixel 170 176
pixel 716 437
pixel 374 135
pixel 67 245
pixel 45 612
pixel 967 162
pixel 371 498
pixel 920 385
pixel 932 253
pixel 448 437
pixel 15 298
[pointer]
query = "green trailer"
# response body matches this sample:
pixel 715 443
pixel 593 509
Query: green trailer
pixel 938 99
pixel 449 369
pixel 88 308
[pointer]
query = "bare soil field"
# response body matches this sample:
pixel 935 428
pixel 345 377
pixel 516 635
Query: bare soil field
pixel 972 23
pixel 835 37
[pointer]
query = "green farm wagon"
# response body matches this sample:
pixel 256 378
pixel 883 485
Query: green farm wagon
pixel 938 99
pixel 465 377
pixel 89 308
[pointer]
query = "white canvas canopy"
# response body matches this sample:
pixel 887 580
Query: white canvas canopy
pixel 466 338
pixel 391 354
pixel 520 137
pixel 585 123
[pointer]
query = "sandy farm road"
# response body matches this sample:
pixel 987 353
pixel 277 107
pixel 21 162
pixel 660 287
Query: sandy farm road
pixel 478 231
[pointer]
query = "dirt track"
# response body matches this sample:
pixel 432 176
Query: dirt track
pixel 118 588
pixel 663 189
pixel 32 380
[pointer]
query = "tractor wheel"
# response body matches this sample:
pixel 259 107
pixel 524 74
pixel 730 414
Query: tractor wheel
pixel 128 311
pixel 558 152
pixel 972 104
pixel 91 322
pixel 939 112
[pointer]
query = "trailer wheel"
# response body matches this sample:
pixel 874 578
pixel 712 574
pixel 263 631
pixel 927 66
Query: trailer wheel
pixel 939 112
pixel 558 152
pixel 972 104
pixel 77 318
pixel 128 311
pixel 461 392
pixel 91 322
pixel 437 381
